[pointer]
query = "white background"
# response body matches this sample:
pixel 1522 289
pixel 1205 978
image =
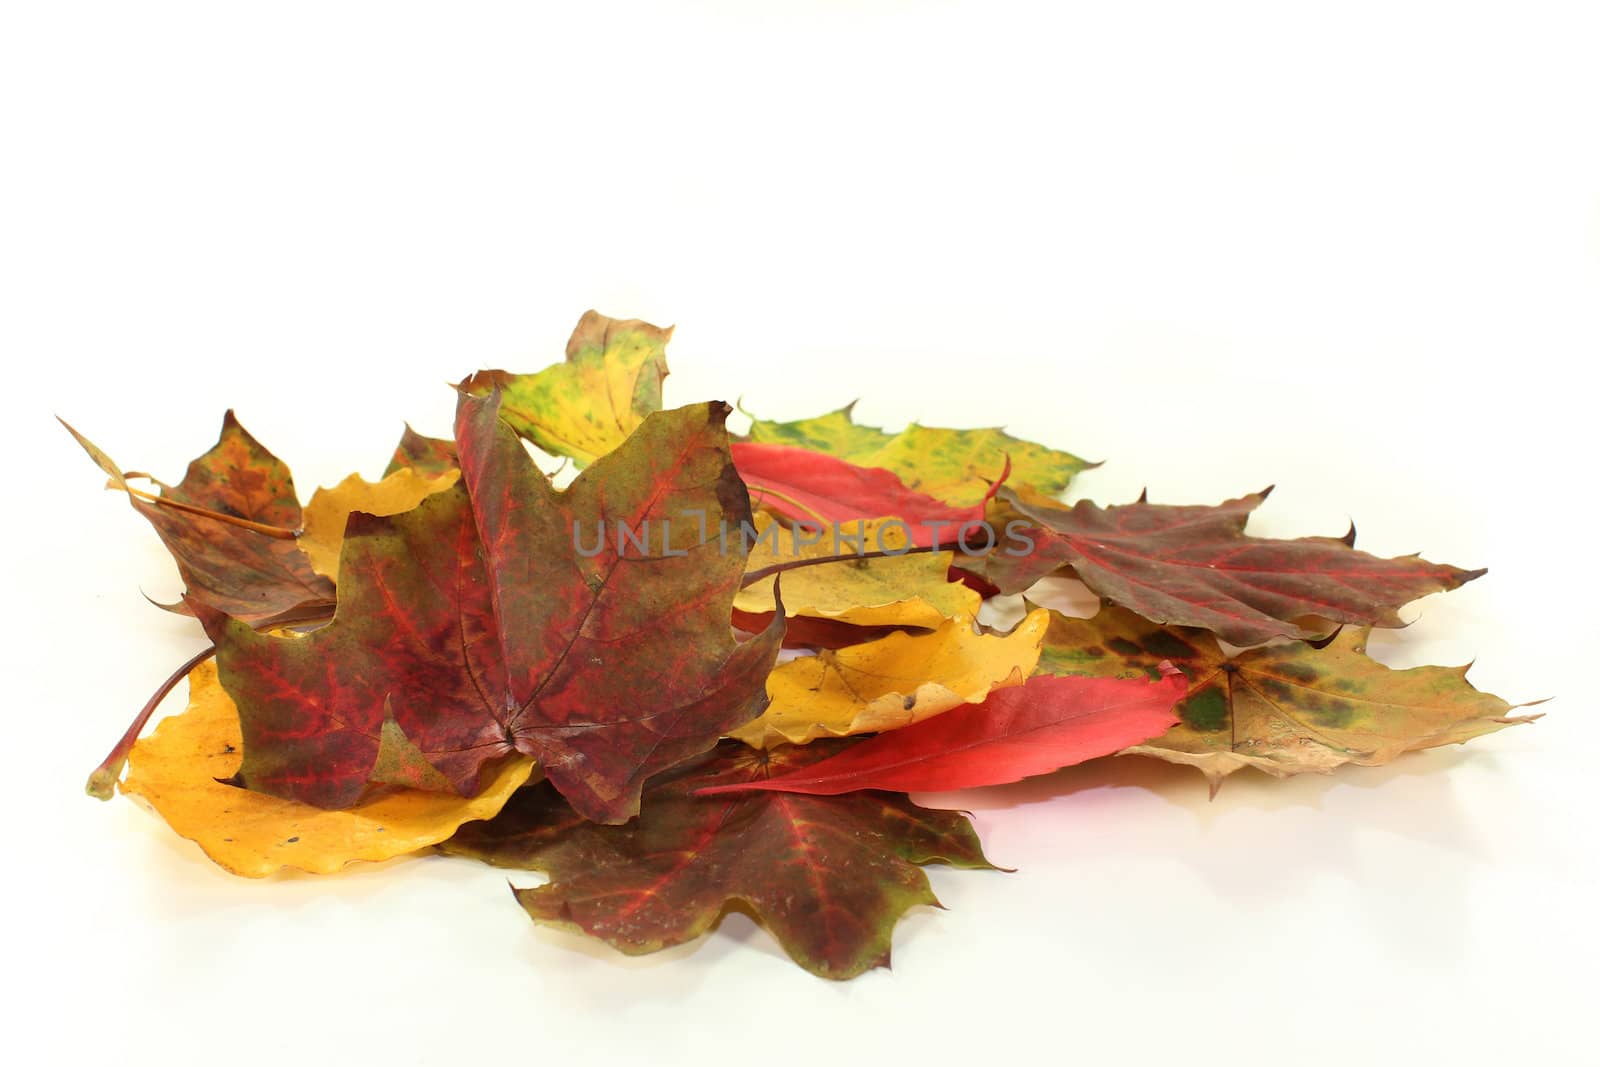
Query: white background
pixel 1352 249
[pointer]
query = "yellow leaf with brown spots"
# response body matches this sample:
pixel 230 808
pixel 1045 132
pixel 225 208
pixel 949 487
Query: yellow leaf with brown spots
pixel 910 590
pixel 894 681
pixel 177 770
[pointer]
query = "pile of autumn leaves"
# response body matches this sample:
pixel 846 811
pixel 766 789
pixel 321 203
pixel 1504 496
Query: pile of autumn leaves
pixel 588 682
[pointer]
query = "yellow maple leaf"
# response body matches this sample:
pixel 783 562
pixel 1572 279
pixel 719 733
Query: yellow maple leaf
pixel 894 681
pixel 585 407
pixel 330 509
pixel 909 590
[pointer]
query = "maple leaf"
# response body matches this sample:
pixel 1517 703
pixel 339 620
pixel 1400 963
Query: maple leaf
pixel 863 596
pixel 951 465
pixel 1195 566
pixel 828 877
pixel 810 486
pixel 1035 728
pixel 893 682
pixel 1284 709
pixel 427 456
pixel 181 770
pixel 231 526
pixel 585 407
pixel 902 590
pixel 480 624
pixel 330 509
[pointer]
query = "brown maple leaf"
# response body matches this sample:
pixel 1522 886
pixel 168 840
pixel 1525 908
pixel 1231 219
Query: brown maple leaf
pixel 1195 566
pixel 828 876
pixel 231 525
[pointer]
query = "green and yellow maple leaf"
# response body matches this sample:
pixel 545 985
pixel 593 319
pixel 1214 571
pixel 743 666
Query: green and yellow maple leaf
pixel 587 406
pixel 952 465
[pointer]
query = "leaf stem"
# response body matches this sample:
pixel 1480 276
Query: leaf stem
pixel 795 564
pixel 757 489
pixel 281 532
pixel 102 783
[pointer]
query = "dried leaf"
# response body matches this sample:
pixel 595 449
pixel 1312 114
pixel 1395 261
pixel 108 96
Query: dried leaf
pixel 605 666
pixel 910 590
pixel 827 877
pixel 812 487
pixel 227 566
pixel 489 627
pixel 330 509
pixel 1194 566
pixel 585 407
pixel 428 456
pixel 1034 728
pixel 1283 709
pixel 893 682
pixel 180 769
pixel 951 465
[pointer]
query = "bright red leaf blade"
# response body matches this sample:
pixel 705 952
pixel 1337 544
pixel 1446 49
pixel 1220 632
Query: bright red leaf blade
pixel 1015 733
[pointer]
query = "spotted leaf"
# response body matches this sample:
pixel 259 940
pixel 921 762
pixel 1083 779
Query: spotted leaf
pixel 585 407
pixel 952 465
pixel 1283 709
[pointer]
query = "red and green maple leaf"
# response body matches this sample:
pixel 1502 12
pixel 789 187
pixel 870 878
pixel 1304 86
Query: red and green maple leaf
pixel 951 465
pixel 475 626
pixel 1195 566
pixel 828 876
